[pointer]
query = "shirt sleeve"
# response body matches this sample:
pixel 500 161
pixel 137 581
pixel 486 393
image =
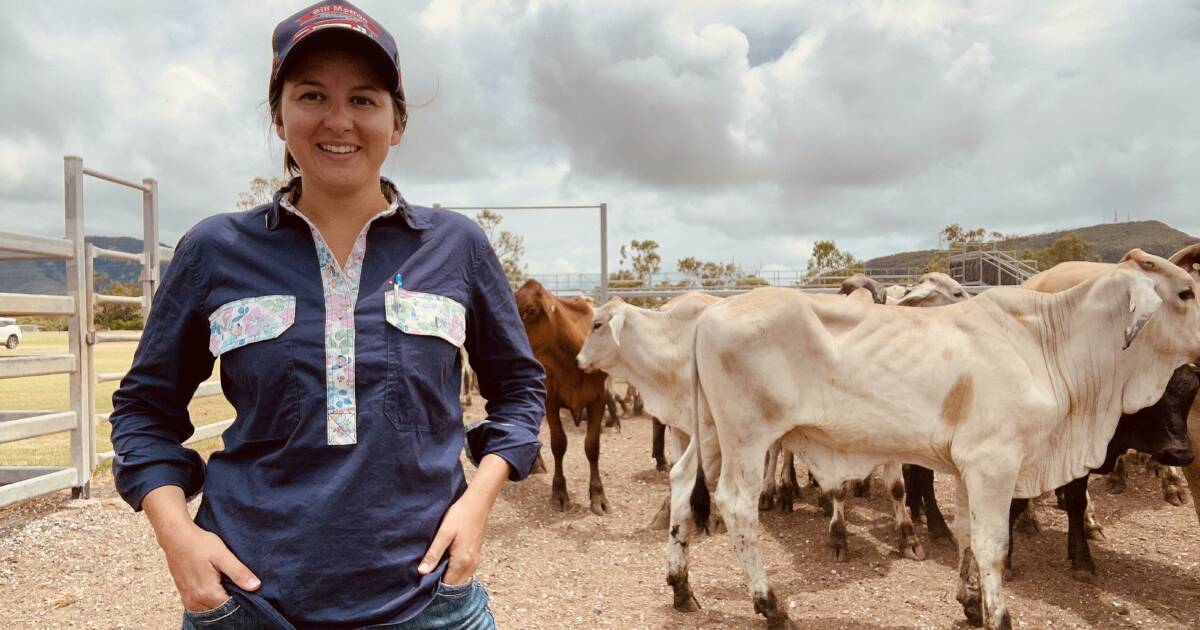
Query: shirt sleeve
pixel 510 378
pixel 150 417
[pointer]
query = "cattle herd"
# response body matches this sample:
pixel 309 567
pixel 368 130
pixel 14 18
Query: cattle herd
pixel 1016 392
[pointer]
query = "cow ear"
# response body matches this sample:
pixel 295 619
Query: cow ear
pixel 1143 303
pixel 548 303
pixel 1189 259
pixel 615 324
pixel 916 296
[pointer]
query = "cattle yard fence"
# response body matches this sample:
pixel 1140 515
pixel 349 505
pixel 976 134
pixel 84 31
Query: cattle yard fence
pixel 18 483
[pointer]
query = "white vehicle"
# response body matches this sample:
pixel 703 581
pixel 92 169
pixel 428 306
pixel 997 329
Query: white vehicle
pixel 10 332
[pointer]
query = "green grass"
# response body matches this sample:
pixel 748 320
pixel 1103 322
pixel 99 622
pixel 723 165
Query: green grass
pixel 49 393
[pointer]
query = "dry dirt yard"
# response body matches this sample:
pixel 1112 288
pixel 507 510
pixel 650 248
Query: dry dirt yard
pixel 94 563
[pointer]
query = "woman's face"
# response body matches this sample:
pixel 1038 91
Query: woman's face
pixel 337 120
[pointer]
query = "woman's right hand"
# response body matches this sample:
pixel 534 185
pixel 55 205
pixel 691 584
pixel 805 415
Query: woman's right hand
pixel 195 557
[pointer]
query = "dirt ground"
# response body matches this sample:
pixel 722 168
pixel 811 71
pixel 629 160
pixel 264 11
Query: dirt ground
pixel 95 564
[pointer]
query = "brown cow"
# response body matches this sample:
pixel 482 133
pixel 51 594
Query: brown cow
pixel 556 330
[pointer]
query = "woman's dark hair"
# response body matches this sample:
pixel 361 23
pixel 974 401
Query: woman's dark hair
pixel 275 97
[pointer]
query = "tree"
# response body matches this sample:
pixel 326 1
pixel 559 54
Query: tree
pixel 716 274
pixel 827 259
pixel 117 316
pixel 1068 247
pixel 643 259
pixel 509 246
pixel 262 190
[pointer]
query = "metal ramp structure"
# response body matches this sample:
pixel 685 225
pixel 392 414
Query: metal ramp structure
pixel 979 264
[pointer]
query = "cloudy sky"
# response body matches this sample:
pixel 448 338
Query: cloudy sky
pixel 727 131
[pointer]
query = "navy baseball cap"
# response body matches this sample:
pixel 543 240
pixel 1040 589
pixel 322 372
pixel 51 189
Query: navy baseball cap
pixel 327 18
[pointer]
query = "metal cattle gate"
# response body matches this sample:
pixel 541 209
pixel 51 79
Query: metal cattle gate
pixel 18 483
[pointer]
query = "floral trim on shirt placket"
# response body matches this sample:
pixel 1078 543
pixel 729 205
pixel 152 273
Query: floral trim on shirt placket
pixel 341 295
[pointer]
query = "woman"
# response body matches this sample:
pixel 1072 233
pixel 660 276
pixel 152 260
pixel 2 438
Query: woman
pixel 337 312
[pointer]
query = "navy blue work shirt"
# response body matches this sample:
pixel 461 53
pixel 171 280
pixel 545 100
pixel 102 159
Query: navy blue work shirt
pixel 334 523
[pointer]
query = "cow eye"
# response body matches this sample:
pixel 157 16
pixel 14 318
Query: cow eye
pixel 596 325
pixel 958 294
pixel 1187 295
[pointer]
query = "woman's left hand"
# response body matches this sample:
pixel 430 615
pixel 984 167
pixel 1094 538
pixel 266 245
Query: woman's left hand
pixel 461 532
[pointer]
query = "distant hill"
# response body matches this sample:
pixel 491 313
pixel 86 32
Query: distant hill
pixel 49 276
pixel 1112 240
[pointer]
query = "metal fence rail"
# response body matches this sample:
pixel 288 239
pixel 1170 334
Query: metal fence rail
pixel 18 483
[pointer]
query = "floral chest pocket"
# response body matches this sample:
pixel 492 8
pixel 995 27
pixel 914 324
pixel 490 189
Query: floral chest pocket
pixel 248 335
pixel 426 332
pixel 248 320
pixel 427 314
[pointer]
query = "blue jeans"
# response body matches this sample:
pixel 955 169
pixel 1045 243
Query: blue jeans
pixel 454 607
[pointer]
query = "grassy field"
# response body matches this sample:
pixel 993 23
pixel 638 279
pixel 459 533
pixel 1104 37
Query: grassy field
pixel 49 393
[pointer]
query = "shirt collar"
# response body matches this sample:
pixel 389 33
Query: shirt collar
pixel 281 206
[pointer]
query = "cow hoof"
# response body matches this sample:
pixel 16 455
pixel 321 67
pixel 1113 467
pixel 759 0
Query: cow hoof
pixel 860 488
pixel 1095 533
pixel 1008 574
pixel 785 506
pixel 1083 575
pixel 660 465
pixel 1175 495
pixel 943 538
pixel 688 605
pixel 1115 485
pixel 600 505
pixel 781 624
pixel 1027 523
pixel 539 467
pixel 766 500
pixel 716 524
pixel 912 550
pixel 840 552
pixel 1001 623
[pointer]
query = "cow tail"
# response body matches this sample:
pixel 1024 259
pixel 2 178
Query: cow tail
pixel 701 502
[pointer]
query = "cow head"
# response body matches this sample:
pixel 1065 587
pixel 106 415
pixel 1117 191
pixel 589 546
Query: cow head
pixel 934 289
pixel 1162 308
pixel 535 305
pixel 1160 429
pixel 602 348
pixel 861 281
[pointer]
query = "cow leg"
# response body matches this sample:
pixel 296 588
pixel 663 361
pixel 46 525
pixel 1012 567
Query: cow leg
pixel 861 487
pixel 1172 485
pixel 1192 472
pixel 968 570
pixel 657 447
pixel 926 498
pixel 591 446
pixel 913 497
pixel 558 446
pixel 766 498
pixel 1115 481
pixel 789 488
pixel 822 500
pixel 836 500
pixel 1091 526
pixel 1082 566
pixel 989 491
pixel 1015 509
pixel 614 420
pixel 682 525
pixel 741 473
pixel 907 543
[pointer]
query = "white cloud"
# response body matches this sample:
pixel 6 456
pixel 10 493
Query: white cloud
pixel 726 131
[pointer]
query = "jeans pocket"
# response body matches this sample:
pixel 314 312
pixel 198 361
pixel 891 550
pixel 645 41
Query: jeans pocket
pixel 455 590
pixel 213 617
